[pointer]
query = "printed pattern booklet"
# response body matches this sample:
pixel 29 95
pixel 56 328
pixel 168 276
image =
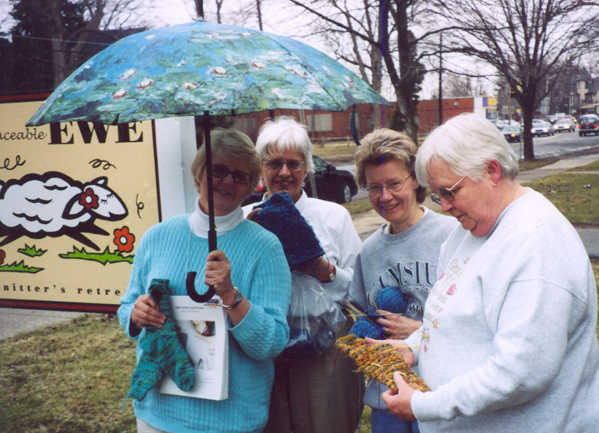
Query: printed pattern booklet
pixel 204 334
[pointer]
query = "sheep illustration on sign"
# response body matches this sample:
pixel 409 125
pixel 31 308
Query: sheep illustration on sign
pixel 53 204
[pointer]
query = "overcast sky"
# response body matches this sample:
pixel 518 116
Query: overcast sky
pixel 278 17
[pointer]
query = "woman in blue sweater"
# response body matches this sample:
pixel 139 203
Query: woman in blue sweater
pixel 251 277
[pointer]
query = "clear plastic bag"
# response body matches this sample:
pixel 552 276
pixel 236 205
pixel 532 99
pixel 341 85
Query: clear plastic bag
pixel 315 321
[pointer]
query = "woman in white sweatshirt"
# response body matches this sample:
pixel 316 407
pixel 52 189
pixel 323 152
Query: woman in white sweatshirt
pixel 508 341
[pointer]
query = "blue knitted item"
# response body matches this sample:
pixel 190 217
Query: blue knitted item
pixel 366 328
pixel 162 351
pixel 391 299
pixel 280 216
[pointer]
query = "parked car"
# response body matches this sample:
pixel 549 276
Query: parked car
pixel 541 127
pixel 512 134
pixel 588 124
pixel 332 184
pixel 564 124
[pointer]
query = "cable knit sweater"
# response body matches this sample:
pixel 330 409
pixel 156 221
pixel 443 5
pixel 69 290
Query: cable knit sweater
pixel 259 270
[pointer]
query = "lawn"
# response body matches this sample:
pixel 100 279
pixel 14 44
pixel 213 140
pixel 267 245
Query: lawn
pixel 72 378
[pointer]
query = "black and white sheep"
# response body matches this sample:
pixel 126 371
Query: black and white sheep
pixel 53 204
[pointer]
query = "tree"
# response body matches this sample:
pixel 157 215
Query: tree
pixel 528 42
pixel 53 37
pixel 385 27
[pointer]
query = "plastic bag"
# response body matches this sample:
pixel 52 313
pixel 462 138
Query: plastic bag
pixel 314 319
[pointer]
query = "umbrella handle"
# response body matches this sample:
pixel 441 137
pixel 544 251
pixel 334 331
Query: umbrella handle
pixel 191 290
pixel 204 122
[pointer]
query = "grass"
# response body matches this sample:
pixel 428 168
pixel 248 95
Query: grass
pixel 72 378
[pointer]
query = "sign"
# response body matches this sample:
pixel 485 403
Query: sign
pixel 75 200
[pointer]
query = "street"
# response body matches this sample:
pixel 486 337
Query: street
pixel 557 145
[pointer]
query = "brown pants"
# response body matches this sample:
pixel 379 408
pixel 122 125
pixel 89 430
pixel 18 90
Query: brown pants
pixel 316 395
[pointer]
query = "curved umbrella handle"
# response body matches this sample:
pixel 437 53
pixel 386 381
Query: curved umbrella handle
pixel 191 290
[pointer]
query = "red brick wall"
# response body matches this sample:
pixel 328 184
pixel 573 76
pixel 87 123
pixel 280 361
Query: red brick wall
pixel 428 112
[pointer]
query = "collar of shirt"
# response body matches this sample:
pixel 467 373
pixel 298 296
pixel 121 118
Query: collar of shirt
pixel 199 223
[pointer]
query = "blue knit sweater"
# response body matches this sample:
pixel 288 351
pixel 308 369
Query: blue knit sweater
pixel 259 270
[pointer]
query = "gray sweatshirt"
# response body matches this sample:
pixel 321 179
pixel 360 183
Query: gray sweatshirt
pixel 407 260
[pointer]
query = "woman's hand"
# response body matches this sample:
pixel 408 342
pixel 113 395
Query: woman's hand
pixel 397 325
pixel 146 312
pixel 218 275
pixel 399 345
pixel 319 268
pixel 400 402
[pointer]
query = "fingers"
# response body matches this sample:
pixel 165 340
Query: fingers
pixel 399 402
pixel 146 312
pixel 218 272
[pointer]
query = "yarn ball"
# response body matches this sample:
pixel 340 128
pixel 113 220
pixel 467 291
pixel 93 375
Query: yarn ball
pixel 391 299
pixel 280 216
pixel 366 328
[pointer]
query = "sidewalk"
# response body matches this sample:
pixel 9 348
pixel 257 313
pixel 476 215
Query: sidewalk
pixel 368 222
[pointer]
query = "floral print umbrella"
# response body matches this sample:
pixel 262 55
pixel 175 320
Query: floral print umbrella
pixel 199 68
pixel 202 69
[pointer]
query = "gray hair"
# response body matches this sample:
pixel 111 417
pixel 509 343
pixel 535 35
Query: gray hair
pixel 467 143
pixel 229 144
pixel 283 134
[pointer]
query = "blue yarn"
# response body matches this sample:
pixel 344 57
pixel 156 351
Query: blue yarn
pixel 391 299
pixel 365 328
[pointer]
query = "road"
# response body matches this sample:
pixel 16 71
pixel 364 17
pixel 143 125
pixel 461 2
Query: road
pixel 544 147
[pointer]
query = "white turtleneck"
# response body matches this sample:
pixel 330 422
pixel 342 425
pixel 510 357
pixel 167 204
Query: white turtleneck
pixel 199 223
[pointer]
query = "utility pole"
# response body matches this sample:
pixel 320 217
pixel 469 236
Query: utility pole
pixel 440 116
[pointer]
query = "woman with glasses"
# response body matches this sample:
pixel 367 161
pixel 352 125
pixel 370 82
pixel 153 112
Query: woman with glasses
pixel 250 276
pixel 402 253
pixel 322 393
pixel 508 341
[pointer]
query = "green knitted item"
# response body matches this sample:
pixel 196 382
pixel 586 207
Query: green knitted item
pixel 162 351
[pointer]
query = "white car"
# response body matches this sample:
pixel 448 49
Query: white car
pixel 564 124
pixel 540 127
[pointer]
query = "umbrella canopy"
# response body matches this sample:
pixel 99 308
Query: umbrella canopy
pixel 202 69
pixel 191 69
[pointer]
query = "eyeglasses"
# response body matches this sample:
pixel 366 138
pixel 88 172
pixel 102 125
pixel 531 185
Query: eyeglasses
pixel 220 171
pixel 446 193
pixel 393 187
pixel 277 164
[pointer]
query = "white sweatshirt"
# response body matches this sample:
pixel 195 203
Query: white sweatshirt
pixel 508 341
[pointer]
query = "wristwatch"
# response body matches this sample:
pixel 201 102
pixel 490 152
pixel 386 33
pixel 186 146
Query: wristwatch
pixel 332 274
pixel 236 301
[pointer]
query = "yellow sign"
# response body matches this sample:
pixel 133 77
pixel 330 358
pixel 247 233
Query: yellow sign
pixel 75 199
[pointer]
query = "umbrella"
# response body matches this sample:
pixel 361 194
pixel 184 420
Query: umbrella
pixel 202 69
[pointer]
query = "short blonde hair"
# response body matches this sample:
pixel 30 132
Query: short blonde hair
pixel 383 145
pixel 231 144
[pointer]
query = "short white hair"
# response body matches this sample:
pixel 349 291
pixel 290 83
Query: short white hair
pixel 282 134
pixel 467 143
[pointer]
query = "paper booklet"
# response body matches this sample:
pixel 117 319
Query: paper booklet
pixel 204 334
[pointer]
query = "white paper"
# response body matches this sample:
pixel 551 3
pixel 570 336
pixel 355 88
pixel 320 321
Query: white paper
pixel 204 332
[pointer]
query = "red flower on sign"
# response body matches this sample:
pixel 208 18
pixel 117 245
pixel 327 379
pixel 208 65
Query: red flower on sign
pixel 88 199
pixel 2 255
pixel 123 239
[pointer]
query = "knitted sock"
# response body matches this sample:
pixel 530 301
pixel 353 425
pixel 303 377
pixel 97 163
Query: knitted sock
pixel 162 351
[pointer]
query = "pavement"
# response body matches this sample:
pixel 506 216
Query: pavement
pixel 16 321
